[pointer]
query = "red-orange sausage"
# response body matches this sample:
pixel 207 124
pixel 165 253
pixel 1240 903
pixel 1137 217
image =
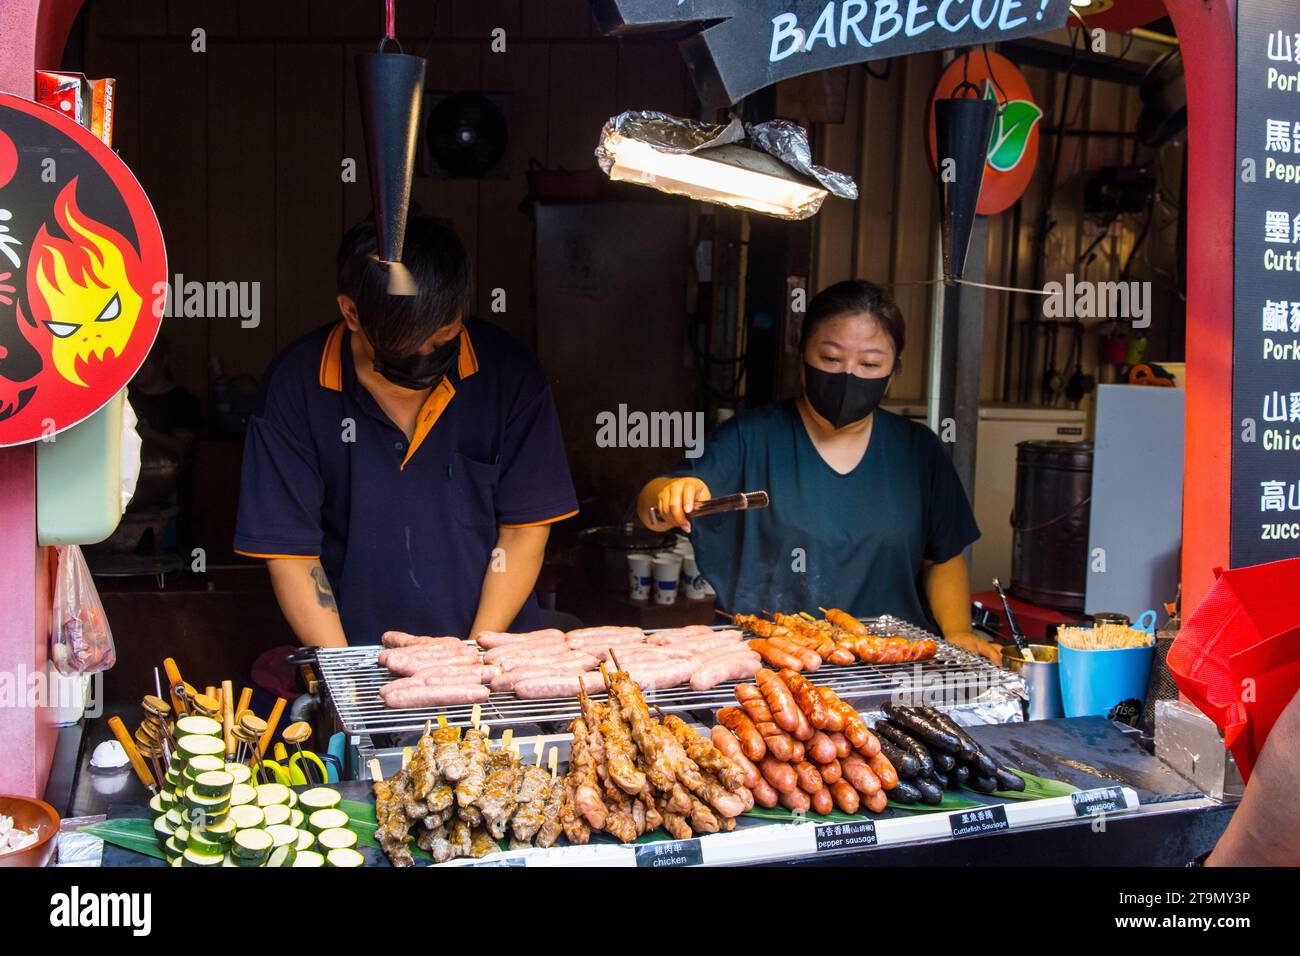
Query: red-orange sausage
pixel 834 719
pixel 821 801
pixel 751 741
pixel 884 771
pixel 877 802
pixel 730 747
pixel 807 697
pixel 846 798
pixel 821 748
pixel 765 794
pixel 796 800
pixel 784 709
pixel 842 746
pixel 808 657
pixel 810 781
pixel 831 772
pixel 779 744
pixel 860 775
pixel 774 655
pixel 780 775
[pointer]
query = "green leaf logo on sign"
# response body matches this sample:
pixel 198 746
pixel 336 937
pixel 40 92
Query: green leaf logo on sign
pixel 1011 131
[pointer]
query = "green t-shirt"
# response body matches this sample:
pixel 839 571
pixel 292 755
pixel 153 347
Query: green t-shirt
pixel 853 541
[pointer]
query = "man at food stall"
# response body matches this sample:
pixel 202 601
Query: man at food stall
pixel 405 464
pixel 867 513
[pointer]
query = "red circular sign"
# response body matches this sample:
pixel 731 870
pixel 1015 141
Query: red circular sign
pixel 1013 149
pixel 82 273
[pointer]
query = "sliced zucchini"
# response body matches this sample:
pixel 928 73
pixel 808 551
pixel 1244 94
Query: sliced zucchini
pixel 305 840
pixel 192 857
pixel 223 831
pixel 178 862
pixel 162 829
pixel 171 850
pixel 276 814
pixel 228 860
pixel 167 797
pixel 181 836
pixel 297 818
pixel 200 725
pixel 174 817
pixel 202 842
pixel 293 798
pixel 195 745
pixel 251 845
pixel 242 793
pixel 197 801
pixel 156 804
pixel 307 858
pixel 240 771
pixel 247 817
pixel 202 764
pixel 320 798
pixel 331 819
pixel 213 783
pixel 270 794
pixel 336 839
pixel 282 835
pixel 282 856
pixel 206 818
pixel 344 858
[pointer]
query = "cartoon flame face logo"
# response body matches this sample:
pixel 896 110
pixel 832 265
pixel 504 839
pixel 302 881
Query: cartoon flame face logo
pixel 85 291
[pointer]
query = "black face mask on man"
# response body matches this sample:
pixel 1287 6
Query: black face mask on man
pixel 841 397
pixel 418 372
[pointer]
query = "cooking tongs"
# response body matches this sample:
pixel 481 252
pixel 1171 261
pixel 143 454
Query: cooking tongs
pixel 715 506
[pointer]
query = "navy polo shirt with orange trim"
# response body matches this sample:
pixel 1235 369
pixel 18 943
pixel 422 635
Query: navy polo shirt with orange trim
pixel 404 530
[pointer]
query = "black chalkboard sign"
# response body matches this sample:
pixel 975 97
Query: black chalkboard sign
pixel 755 43
pixel 1265 524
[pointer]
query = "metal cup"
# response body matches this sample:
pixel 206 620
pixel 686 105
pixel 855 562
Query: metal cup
pixel 1042 679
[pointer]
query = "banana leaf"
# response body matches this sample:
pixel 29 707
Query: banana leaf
pixel 1036 788
pixel 129 833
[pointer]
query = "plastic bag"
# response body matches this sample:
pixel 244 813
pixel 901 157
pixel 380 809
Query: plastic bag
pixel 80 640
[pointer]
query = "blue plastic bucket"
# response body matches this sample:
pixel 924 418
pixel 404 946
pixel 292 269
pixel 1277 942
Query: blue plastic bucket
pixel 1093 682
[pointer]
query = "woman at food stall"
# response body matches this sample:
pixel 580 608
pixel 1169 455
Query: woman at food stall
pixel 405 464
pixel 867 513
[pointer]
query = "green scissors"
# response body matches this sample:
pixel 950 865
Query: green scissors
pixel 290 771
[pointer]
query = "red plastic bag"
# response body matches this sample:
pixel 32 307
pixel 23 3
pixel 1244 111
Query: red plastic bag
pixel 1237 656
pixel 80 639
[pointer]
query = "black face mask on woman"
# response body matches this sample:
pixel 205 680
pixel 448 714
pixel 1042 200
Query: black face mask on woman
pixel 841 397
pixel 418 372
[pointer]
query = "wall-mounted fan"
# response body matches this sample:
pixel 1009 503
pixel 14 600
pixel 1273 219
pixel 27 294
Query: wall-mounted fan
pixel 466 135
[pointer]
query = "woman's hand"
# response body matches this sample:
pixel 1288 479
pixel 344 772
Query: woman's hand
pixel 976 645
pixel 677 499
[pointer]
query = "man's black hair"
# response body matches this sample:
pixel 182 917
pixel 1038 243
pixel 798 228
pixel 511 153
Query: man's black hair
pixel 400 324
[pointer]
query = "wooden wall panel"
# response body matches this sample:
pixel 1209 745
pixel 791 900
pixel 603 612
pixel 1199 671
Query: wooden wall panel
pixel 173 170
pixel 583 78
pixel 557 19
pixel 242 184
pixel 308 188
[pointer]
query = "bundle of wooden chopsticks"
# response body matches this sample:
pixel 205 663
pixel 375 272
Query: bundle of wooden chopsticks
pixel 1103 637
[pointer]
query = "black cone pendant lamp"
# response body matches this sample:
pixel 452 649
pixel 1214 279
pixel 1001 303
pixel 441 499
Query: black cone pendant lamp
pixel 391 89
pixel 963 126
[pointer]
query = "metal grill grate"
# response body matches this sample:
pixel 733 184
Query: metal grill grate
pixel 352 678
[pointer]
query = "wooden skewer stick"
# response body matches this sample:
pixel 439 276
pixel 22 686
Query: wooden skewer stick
pixel 245 698
pixel 428 727
pixel 407 753
pixel 271 723
pixel 376 773
pixel 175 684
pixel 228 716
pixel 724 614
pixel 475 713
pixel 553 761
pixel 132 753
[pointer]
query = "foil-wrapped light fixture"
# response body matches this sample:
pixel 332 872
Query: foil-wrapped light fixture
pixel 765 168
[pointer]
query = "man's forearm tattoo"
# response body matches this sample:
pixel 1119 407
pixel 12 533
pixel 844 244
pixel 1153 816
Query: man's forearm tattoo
pixel 324 596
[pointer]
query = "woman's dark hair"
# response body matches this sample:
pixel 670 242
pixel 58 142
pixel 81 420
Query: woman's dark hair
pixel 400 324
pixel 854 297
